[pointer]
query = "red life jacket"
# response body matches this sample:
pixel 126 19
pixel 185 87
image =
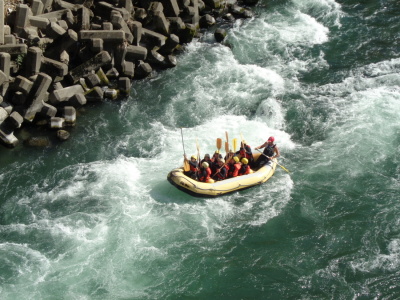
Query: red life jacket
pixel 236 168
pixel 205 174
pixel 244 170
pixel 193 166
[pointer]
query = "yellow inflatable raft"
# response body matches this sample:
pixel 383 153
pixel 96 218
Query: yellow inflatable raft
pixel 202 189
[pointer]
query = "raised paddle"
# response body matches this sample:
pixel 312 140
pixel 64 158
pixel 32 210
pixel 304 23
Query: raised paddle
pixel 276 162
pixel 219 144
pixel 198 151
pixel 186 166
pixel 227 147
pixel 227 142
pixel 234 145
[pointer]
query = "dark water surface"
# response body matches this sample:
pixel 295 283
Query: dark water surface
pixel 95 218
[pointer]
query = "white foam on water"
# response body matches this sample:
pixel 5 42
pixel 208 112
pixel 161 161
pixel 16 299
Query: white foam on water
pixel 380 261
pixel 365 116
pixel 327 10
pixel 222 85
pixel 280 40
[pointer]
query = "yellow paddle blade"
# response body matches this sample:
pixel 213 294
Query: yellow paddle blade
pixel 234 141
pixel 186 166
pixel 219 143
pixel 283 168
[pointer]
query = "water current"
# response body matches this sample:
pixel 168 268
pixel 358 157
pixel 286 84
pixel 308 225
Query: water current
pixel 95 218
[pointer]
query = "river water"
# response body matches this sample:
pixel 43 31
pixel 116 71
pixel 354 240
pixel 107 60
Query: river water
pixel 95 218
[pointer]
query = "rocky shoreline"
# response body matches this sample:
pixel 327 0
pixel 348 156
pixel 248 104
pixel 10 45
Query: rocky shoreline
pixel 56 56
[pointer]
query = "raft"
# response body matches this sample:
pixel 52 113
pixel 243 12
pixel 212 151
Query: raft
pixel 218 188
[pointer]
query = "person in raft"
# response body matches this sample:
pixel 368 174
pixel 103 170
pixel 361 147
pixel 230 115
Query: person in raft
pixel 245 152
pixel 194 167
pixel 208 160
pixel 205 172
pixel 222 170
pixel 234 167
pixel 271 151
pixel 245 168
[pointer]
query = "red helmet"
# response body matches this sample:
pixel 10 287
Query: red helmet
pixel 271 139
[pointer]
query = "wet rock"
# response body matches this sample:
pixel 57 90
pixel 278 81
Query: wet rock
pixel 63 135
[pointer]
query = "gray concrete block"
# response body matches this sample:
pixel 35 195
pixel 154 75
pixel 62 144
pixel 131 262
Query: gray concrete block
pixel 21 18
pixel 53 67
pixel 57 123
pixel 135 53
pixel 155 58
pixel 9 39
pixel 124 85
pixel 69 114
pixel 3 77
pixel 220 34
pixel 68 42
pixel 96 45
pixel 2 14
pixel 136 29
pixel 111 94
pixel 8 140
pixel 57 14
pixel 48 110
pixel 22 84
pixel 119 23
pixel 54 31
pixel 171 8
pixel 14 50
pixel 108 26
pixel 18 98
pixel 37 94
pixel 92 80
pixel 33 61
pixel 37 7
pixel 128 69
pixel 152 38
pixel 3 115
pixel 96 94
pixel 12 122
pixel 116 36
pixel 77 100
pixel 83 18
pixel 170 44
pixel 112 73
pixel 207 21
pixel 5 63
pixel 142 70
pixel 93 64
pixel 61 95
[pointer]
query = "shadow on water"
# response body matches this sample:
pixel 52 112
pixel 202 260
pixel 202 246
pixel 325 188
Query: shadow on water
pixel 164 192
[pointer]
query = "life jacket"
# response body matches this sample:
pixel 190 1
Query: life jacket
pixel 204 174
pixel 269 150
pixel 222 174
pixel 193 166
pixel 235 170
pixel 244 170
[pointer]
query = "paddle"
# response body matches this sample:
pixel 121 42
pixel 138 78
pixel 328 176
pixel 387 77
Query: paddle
pixel 227 142
pixel 186 166
pixel 219 144
pixel 198 151
pixel 234 145
pixel 276 162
